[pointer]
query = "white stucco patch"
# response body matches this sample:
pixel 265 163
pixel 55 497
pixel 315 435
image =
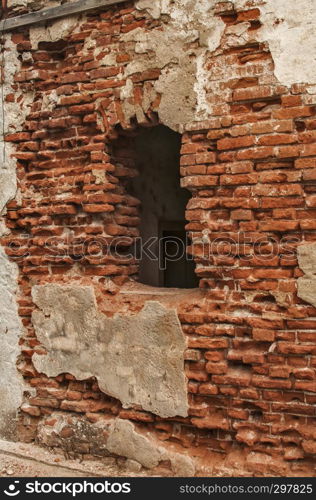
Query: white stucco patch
pixel 306 285
pixel 10 332
pixel 57 30
pixel 137 358
pixel 289 28
pixel 11 120
pixel 124 440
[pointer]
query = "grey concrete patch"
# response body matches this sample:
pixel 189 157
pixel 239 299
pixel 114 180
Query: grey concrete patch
pixel 137 358
pixel 124 440
pixel 56 30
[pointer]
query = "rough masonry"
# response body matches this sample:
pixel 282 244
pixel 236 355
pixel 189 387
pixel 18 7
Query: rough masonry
pixel 237 80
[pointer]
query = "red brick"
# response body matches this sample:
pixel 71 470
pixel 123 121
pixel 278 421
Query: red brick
pixel 309 175
pixel 18 136
pixel 305 163
pixel 275 190
pixel 100 208
pixel 206 343
pixel 75 77
pixel 208 389
pixel 255 153
pixel 304 373
pixel 259 381
pixel 291 100
pixel 235 142
pixel 282 226
pixel 199 181
pixel 271 140
pixel 216 368
pixel 239 179
pixel 280 371
pixel 104 73
pixel 84 406
pixel 241 215
pixel 263 335
pixel 248 15
pixel 295 112
pixel 309 386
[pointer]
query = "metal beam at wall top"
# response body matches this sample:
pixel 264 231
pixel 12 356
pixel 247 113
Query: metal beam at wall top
pixel 68 9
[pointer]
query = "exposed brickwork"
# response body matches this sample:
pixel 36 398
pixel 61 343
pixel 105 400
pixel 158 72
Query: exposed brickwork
pixel 251 355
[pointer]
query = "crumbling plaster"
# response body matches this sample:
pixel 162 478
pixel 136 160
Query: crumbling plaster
pixel 115 436
pixel 137 358
pixel 35 4
pixel 190 33
pixel 306 285
pixel 10 331
pixel 289 28
pixel 54 31
pixel 11 120
pixel 178 48
pixel 124 440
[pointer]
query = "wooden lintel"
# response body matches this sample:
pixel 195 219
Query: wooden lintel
pixel 67 9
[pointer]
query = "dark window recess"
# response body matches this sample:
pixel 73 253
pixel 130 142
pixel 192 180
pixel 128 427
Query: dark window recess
pixel 163 205
pixel 177 267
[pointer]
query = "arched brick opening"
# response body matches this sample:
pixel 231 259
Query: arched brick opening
pixel 147 164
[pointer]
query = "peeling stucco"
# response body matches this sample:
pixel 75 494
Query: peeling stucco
pixel 10 331
pixel 306 285
pixel 11 120
pixel 288 27
pixel 55 31
pixel 179 48
pixel 124 440
pixel 190 33
pixel 115 436
pixel 35 4
pixel 137 358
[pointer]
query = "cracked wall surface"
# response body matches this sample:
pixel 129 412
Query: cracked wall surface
pixel 232 85
pixel 136 358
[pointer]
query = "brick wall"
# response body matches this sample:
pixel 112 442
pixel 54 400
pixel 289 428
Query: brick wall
pixel 251 169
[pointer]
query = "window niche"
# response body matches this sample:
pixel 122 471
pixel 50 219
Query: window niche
pixel 154 180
